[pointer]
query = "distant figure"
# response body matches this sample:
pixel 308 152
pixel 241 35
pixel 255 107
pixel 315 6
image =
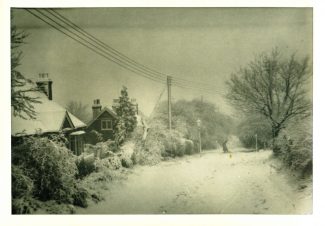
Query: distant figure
pixel 224 146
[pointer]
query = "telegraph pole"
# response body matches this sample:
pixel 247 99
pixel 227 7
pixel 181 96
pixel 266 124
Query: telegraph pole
pixel 169 83
pixel 256 142
pixel 199 128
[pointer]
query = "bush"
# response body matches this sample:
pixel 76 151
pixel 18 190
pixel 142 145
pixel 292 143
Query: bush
pixel 126 162
pixel 294 148
pixel 49 164
pixel 147 153
pixel 161 143
pixel 94 137
pixel 88 149
pixel 21 184
pixel 251 125
pixel 185 115
pixel 151 150
pixel 112 162
pixel 111 146
pixel 134 158
pixel 80 198
pixel 101 149
pixel 24 205
pixel 53 207
pixel 85 167
pixel 189 147
pixel 174 144
pixel 169 146
pixel 180 147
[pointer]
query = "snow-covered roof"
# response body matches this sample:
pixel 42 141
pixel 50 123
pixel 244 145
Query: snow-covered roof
pixel 105 109
pixel 77 133
pixel 50 117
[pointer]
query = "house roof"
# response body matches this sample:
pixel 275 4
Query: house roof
pixel 77 133
pixel 50 117
pixel 105 109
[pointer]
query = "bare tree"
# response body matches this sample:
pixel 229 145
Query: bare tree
pixel 79 110
pixel 274 87
pixel 21 101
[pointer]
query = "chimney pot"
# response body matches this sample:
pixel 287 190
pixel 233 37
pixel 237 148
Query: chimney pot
pixel 97 107
pixel 45 84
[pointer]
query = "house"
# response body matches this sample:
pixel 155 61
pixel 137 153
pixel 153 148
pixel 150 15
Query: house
pixel 51 118
pixel 103 122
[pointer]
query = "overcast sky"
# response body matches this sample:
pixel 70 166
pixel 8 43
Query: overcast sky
pixel 198 44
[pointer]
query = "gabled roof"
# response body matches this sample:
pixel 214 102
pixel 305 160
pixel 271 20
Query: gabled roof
pixel 105 109
pixel 50 117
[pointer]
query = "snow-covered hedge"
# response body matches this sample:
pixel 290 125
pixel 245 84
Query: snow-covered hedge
pixel 294 147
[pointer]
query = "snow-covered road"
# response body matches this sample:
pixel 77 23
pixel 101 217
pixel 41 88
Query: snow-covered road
pixel 239 182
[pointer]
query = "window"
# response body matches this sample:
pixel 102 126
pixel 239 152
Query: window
pixel 107 124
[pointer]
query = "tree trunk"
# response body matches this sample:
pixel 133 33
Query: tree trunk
pixel 275 133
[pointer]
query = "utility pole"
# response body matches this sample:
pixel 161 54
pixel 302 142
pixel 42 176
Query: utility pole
pixel 256 142
pixel 169 83
pixel 199 128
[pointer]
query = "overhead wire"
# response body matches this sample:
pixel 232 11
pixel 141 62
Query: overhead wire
pixel 194 83
pixel 119 54
pixel 214 90
pixel 102 44
pixel 84 38
pixel 95 49
pixel 109 54
pixel 201 91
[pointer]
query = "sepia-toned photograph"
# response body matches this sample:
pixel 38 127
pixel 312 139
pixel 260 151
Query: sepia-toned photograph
pixel 162 110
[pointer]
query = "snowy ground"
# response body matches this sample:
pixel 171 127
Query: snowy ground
pixel 239 182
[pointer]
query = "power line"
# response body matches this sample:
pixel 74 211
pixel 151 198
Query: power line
pixel 90 36
pixel 196 83
pixel 86 39
pixel 94 48
pixel 202 89
pixel 119 54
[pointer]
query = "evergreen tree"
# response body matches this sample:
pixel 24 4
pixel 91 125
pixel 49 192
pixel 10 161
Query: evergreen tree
pixel 21 102
pixel 126 119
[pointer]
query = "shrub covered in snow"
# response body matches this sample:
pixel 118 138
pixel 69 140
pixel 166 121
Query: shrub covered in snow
pixel 24 205
pixel 161 143
pixel 144 156
pixel 22 189
pixel 111 162
pixel 189 147
pixel 85 167
pixel 294 147
pixel 49 164
pixel 21 184
pixel 94 137
pixel 43 169
pixel 127 162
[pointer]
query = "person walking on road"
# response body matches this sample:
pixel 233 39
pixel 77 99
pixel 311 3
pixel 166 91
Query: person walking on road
pixel 224 146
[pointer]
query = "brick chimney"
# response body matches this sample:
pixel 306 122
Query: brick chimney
pixel 97 107
pixel 44 83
